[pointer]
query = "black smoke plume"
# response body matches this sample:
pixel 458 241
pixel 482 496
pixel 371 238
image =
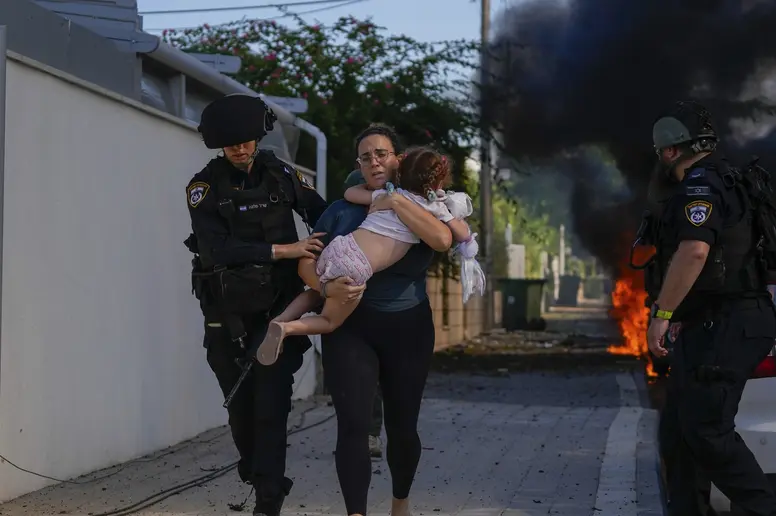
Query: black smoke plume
pixel 570 74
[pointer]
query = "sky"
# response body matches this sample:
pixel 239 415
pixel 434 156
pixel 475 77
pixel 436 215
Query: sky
pixel 423 20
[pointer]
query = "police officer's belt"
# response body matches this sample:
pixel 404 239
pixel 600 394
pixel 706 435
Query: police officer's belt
pixel 242 290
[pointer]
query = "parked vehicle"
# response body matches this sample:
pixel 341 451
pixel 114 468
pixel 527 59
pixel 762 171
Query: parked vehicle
pixel 756 423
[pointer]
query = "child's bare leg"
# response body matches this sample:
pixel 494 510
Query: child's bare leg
pixel 272 345
pixel 333 315
pixel 303 303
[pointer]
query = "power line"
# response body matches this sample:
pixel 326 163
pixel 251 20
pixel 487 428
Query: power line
pixel 242 8
pixel 279 17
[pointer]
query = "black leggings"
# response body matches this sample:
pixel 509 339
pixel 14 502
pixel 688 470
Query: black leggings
pixel 394 348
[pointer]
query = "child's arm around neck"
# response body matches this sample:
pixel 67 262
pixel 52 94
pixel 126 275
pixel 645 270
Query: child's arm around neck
pixel 460 230
pixel 359 195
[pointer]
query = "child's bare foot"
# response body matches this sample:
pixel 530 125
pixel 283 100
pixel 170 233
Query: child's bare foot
pixel 272 345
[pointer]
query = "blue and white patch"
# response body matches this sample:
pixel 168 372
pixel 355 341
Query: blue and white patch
pixel 697 212
pixel 697 191
pixel 197 191
pixel 696 173
pixel 250 207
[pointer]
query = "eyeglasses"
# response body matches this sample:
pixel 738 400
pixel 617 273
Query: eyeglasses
pixel 379 154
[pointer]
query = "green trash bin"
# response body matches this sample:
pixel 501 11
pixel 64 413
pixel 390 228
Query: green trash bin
pixel 521 304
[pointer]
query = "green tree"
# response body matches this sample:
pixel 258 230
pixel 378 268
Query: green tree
pixel 353 74
pixel 530 227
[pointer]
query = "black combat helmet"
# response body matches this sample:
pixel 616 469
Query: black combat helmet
pixel 235 119
pixel 688 122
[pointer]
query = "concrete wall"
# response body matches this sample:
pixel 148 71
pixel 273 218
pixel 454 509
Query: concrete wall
pixel 101 358
pixel 462 322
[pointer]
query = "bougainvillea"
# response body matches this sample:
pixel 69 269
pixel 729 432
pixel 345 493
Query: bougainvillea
pixel 352 73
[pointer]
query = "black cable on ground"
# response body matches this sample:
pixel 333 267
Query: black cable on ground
pixel 180 488
pixel 197 482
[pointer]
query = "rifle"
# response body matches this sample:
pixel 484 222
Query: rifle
pixel 233 322
pixel 237 331
pixel 246 366
pixel 644 236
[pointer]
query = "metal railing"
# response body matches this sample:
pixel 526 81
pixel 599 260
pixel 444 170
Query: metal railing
pixel 191 68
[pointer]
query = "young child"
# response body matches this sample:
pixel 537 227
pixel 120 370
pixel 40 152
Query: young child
pixel 379 242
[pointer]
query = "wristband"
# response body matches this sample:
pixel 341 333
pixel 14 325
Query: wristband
pixel 657 313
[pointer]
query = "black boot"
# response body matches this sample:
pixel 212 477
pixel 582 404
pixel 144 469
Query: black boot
pixel 270 497
pixel 269 507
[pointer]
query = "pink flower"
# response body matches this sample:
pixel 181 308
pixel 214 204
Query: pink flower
pixel 273 23
pixel 351 60
pixel 324 101
pixel 309 61
pixel 387 85
pixel 315 28
pixel 235 51
pixel 252 68
pixel 206 26
pixel 270 57
pixel 377 101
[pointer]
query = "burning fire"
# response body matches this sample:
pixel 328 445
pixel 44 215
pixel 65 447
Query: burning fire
pixel 629 311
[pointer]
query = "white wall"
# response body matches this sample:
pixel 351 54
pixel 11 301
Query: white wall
pixel 101 356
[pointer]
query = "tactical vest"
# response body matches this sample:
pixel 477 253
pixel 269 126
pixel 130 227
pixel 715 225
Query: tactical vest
pixel 264 213
pixel 733 266
pixel 260 214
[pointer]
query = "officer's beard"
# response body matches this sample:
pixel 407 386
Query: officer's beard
pixel 663 181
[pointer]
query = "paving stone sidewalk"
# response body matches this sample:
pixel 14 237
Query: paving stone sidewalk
pixel 527 444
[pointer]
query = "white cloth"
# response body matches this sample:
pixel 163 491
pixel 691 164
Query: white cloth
pixel 472 276
pixel 387 223
pixel 459 203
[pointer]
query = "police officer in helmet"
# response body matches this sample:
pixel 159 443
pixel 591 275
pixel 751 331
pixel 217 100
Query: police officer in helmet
pixel 708 277
pixel 245 272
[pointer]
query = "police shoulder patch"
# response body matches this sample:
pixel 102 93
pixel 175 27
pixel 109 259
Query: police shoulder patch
pixel 698 212
pixel 197 191
pixel 303 180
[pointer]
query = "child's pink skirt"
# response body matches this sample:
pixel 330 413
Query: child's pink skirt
pixel 343 257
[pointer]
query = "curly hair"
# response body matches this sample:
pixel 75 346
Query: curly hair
pixel 381 130
pixel 423 170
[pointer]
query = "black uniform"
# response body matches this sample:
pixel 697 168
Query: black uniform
pixel 728 327
pixel 236 217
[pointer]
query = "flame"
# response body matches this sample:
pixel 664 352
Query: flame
pixel 629 310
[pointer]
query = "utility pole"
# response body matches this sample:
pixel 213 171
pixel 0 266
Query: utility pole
pixel 486 204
